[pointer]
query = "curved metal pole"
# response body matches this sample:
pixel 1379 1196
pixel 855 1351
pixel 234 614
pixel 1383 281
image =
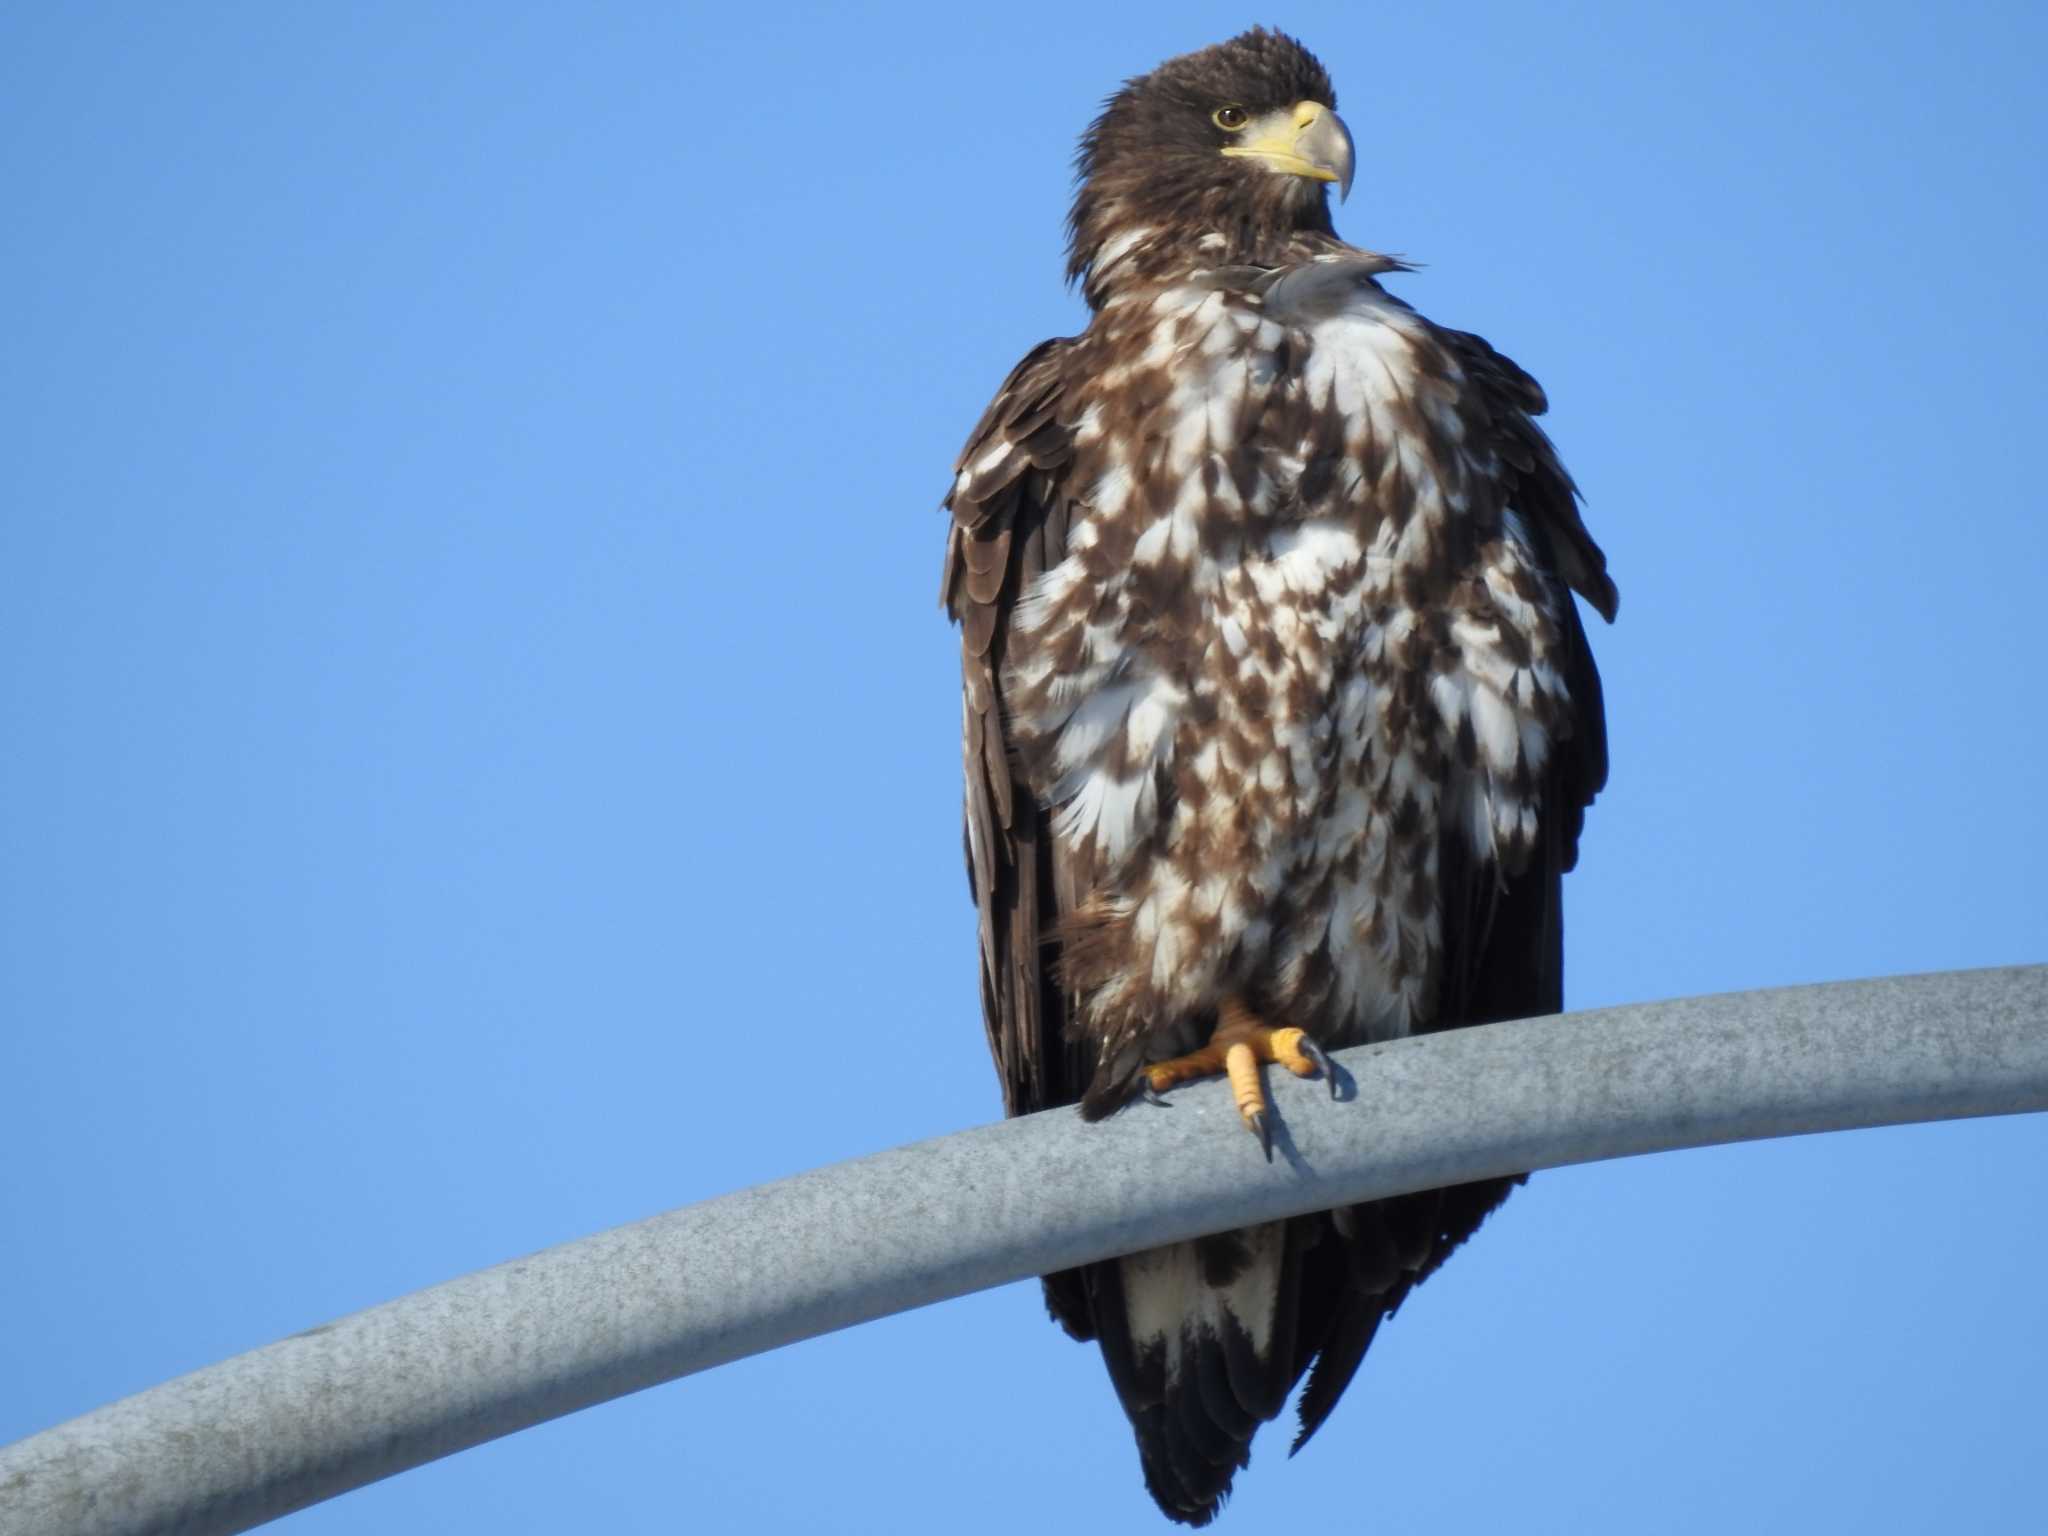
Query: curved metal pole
pixel 325 1411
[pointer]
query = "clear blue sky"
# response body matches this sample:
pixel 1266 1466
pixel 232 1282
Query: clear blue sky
pixel 479 759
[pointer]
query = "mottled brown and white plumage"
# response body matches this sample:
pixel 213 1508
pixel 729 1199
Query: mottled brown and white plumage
pixel 1273 690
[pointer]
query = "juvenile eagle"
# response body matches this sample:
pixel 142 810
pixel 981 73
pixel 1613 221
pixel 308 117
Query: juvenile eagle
pixel 1280 723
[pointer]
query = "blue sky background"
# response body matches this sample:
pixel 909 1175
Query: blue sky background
pixel 474 697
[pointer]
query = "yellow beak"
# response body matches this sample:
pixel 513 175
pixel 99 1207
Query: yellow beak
pixel 1306 139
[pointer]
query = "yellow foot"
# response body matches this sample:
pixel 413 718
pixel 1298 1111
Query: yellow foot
pixel 1241 1041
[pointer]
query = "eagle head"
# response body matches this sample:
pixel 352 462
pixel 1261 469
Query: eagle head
pixel 1240 141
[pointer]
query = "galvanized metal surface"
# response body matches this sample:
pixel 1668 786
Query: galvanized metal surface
pixel 322 1412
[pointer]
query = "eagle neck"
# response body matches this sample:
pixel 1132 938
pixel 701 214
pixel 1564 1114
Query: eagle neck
pixel 1142 258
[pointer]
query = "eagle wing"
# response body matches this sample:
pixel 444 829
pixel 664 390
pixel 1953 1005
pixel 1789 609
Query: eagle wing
pixel 1503 929
pixel 1011 511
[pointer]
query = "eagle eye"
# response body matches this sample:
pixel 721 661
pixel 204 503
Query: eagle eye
pixel 1230 119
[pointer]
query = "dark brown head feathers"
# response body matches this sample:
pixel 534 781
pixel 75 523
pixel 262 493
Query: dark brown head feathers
pixel 1151 171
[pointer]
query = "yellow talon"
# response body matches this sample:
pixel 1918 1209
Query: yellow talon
pixel 1241 1066
pixel 1241 1041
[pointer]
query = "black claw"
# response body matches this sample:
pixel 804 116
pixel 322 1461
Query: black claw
pixel 1257 1121
pixel 1321 1058
pixel 1152 1095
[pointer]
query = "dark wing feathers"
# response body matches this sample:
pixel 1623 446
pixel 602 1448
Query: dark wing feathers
pixel 1010 525
pixel 1544 493
pixel 994 550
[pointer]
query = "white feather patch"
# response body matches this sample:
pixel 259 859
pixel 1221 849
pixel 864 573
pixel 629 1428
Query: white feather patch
pixel 1172 1308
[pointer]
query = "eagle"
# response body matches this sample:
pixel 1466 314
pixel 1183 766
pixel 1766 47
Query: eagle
pixel 1279 721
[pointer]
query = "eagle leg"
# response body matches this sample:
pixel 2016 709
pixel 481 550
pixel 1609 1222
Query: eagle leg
pixel 1241 1041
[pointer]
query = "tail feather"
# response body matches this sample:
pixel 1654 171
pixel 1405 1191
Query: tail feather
pixel 1217 1400
pixel 1205 1340
pixel 1343 1351
pixel 1202 1353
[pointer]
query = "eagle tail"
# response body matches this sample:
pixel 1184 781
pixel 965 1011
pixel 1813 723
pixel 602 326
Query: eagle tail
pixel 1200 1342
pixel 1205 1340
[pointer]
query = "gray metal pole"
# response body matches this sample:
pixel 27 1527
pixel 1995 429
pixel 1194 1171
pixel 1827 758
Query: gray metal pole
pixel 325 1411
